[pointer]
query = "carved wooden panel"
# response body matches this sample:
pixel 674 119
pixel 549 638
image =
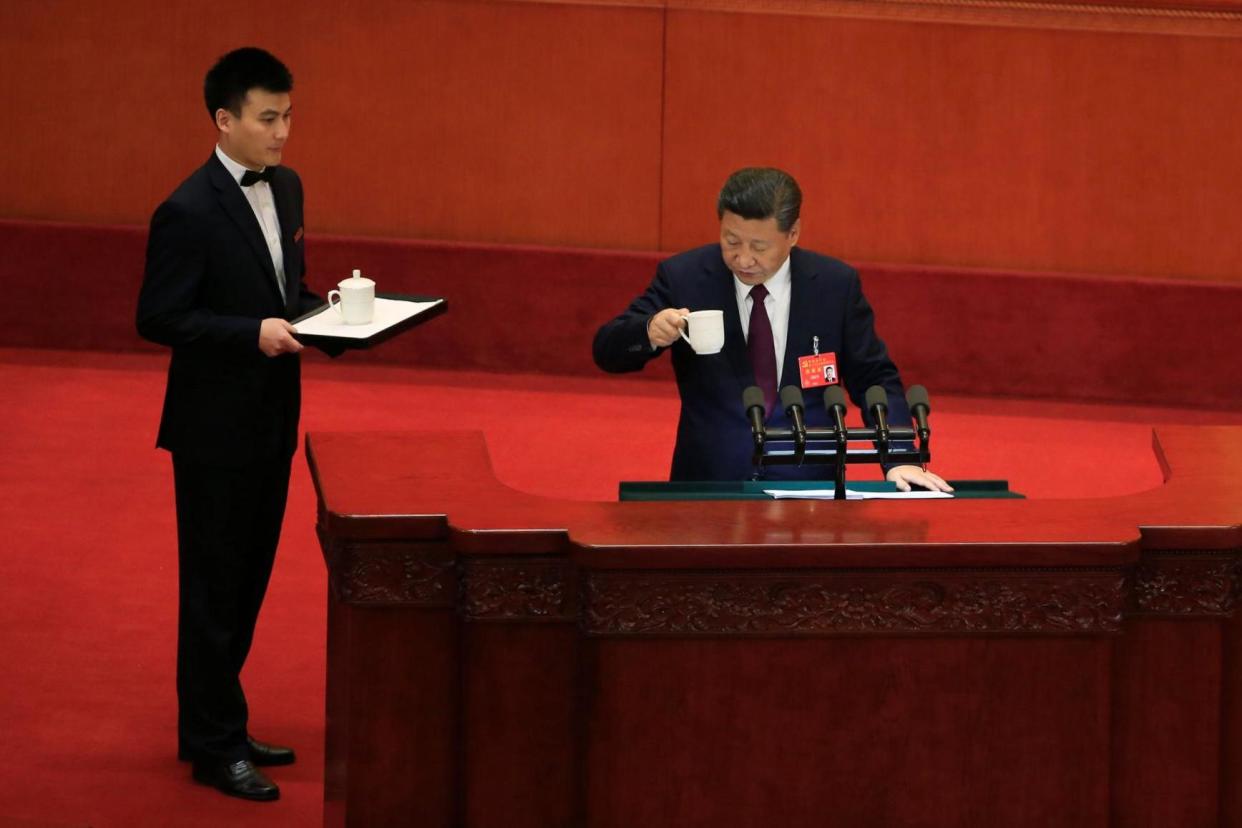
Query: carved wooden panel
pixel 813 602
pixel 528 590
pixel 1185 584
pixel 386 573
pixel 821 603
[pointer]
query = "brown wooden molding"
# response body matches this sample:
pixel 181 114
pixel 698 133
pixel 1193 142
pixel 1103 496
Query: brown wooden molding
pixel 822 603
pixel 1185 584
pixel 1206 10
pixel 530 590
pixel 1205 18
pixel 812 602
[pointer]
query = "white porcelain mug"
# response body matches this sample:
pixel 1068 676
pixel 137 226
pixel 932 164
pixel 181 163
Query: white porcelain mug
pixel 706 331
pixel 355 301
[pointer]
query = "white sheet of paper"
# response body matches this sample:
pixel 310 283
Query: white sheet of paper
pixel 388 312
pixel 850 494
pixel 913 494
pixel 811 494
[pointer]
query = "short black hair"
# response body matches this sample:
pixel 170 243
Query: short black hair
pixel 761 193
pixel 238 72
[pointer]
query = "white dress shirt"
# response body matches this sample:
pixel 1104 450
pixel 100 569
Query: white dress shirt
pixel 776 303
pixel 259 195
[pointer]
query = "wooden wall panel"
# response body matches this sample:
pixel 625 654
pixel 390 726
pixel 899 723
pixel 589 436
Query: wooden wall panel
pixel 452 120
pixel 1053 136
pixel 917 142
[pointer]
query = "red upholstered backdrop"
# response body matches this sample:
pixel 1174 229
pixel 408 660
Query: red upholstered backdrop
pixel 1073 140
pixel 535 310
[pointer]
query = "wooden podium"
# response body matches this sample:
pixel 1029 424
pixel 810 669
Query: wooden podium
pixel 501 659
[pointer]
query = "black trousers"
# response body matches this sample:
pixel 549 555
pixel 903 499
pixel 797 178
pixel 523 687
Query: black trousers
pixel 228 526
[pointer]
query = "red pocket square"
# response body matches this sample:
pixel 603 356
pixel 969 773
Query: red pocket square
pixel 297 236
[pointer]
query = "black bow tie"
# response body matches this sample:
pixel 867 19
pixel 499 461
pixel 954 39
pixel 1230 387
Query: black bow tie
pixel 250 177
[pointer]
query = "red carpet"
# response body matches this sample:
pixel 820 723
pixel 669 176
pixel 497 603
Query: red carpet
pixel 87 616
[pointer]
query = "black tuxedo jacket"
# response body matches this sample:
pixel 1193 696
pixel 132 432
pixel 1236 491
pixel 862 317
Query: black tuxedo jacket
pixel 713 435
pixel 209 282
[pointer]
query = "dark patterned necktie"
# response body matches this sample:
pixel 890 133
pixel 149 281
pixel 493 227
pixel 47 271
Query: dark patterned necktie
pixel 761 347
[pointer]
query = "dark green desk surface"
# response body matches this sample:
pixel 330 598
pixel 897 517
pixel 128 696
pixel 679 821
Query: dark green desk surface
pixel 753 489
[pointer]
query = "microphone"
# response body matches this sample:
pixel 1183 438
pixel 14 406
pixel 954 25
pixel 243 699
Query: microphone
pixel 756 406
pixel 877 404
pixel 920 407
pixel 791 401
pixel 834 404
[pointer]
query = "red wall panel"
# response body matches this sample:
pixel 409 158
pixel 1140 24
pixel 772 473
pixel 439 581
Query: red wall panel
pixel 1021 141
pixel 454 120
pixel 915 142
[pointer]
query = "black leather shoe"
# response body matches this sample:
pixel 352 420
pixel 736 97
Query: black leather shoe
pixel 265 755
pixel 241 779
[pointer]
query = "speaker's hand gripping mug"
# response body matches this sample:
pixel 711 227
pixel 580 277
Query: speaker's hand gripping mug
pixel 704 331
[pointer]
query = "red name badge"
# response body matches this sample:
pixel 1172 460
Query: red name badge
pixel 818 370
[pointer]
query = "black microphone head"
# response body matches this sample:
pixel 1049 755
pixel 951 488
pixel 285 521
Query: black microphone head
pixel 917 395
pixel 834 396
pixel 791 395
pixel 753 397
pixel 876 395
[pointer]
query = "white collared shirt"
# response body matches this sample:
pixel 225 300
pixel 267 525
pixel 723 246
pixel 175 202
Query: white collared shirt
pixel 776 303
pixel 259 195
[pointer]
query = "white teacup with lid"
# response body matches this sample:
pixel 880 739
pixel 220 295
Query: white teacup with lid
pixel 355 300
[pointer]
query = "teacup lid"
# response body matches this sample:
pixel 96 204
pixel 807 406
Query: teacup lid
pixel 356 282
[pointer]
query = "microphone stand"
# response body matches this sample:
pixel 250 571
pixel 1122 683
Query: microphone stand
pixel 839 435
pixel 838 493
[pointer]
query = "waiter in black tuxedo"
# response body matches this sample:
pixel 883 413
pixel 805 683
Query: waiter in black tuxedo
pixel 223 278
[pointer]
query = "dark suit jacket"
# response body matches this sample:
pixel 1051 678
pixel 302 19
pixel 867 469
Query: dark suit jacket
pixel 713 435
pixel 209 282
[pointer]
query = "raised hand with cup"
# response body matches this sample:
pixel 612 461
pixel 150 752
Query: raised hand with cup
pixel 665 327
pixel 704 329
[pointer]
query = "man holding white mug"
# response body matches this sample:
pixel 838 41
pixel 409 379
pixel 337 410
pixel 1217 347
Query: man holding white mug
pixel 777 303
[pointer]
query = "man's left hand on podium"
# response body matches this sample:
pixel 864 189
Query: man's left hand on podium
pixel 907 476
